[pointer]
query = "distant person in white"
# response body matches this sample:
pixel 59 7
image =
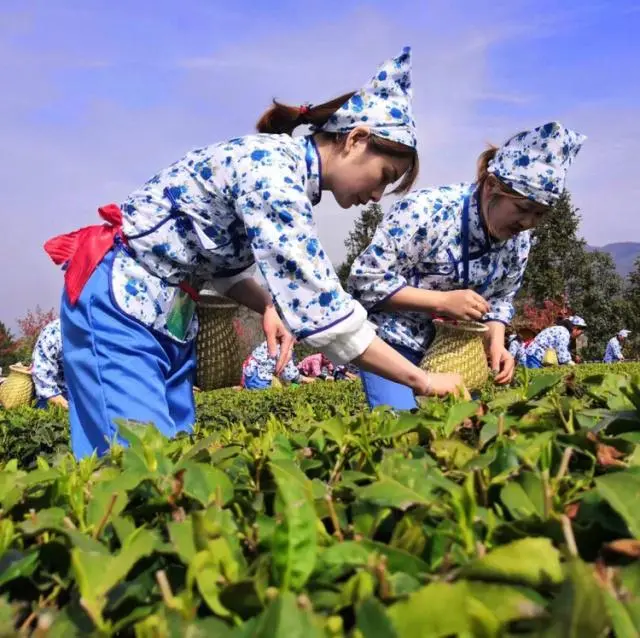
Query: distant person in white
pixel 613 353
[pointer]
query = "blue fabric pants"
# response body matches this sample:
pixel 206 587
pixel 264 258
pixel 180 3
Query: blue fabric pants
pixel 254 382
pixel 381 391
pixel 533 362
pixel 117 368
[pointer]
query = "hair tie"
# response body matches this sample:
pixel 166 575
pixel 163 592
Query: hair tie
pixel 303 111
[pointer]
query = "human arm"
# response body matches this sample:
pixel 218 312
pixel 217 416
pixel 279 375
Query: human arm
pixel 301 279
pixel 408 234
pixel 562 343
pixel 246 291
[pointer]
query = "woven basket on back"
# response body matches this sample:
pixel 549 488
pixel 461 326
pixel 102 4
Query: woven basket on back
pixel 17 389
pixel 219 359
pixel 458 347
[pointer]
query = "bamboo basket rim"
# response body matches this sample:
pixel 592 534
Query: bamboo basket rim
pixel 209 300
pixel 474 327
pixel 18 367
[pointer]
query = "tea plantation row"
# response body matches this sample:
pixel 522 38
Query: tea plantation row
pixel 297 513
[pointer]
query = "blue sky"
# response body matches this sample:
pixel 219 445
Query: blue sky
pixel 99 95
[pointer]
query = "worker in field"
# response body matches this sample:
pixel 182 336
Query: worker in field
pixel 347 372
pixel 317 366
pixel 46 367
pixel 259 369
pixel 552 345
pixel 613 352
pixel 128 309
pixel 460 251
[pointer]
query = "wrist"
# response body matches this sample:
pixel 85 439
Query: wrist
pixel 494 334
pixel 436 301
pixel 495 328
pixel 427 388
pixel 420 382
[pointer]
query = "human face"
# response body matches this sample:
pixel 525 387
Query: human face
pixel 576 332
pixel 507 216
pixel 357 175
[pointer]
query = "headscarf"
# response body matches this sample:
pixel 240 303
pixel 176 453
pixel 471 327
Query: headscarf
pixel 383 104
pixel 534 163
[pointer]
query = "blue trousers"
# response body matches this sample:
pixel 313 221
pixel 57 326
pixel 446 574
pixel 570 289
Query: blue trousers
pixel 117 368
pixel 381 391
pixel 254 382
pixel 533 362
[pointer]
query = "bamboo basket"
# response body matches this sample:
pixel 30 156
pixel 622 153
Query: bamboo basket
pixel 17 389
pixel 550 358
pixel 458 347
pixel 219 359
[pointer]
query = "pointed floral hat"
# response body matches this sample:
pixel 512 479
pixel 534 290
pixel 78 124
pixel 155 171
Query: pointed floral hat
pixel 534 163
pixel 383 105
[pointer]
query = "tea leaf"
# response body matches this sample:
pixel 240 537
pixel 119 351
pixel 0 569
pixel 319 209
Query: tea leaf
pixel 206 484
pixel 22 567
pixel 622 491
pixel 373 622
pixel 283 618
pixel 579 609
pixel 294 542
pixel 531 561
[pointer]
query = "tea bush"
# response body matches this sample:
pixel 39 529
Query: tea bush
pixel 297 513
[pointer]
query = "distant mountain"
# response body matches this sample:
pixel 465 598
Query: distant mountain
pixel 624 254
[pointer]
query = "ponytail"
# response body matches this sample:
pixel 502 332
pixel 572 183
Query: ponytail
pixel 566 323
pixel 482 171
pixel 283 118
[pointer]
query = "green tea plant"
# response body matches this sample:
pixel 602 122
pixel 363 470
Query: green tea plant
pixel 296 514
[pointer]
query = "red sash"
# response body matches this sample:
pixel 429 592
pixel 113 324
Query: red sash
pixel 82 251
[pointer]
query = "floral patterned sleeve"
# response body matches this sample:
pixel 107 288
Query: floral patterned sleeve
pixel 47 372
pixel 278 218
pixel 563 341
pixel 376 274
